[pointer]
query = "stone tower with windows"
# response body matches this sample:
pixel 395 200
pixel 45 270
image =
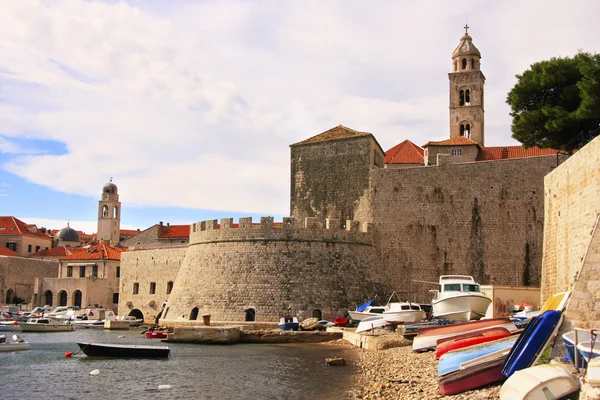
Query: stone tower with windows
pixel 109 214
pixel 466 91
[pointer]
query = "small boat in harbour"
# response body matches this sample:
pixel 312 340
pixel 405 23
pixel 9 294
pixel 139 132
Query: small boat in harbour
pixel 459 298
pixel 288 323
pixel 471 339
pixel 547 381
pixel 309 324
pixel 157 334
pixel 584 338
pixel 403 313
pixel 371 323
pixel 17 344
pixel 123 350
pixel 428 337
pixel 369 311
pixel 44 325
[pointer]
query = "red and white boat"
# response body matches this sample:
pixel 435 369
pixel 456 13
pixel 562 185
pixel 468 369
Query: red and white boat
pixel 470 339
pixel 157 334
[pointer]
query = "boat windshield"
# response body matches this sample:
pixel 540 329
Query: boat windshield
pixel 452 287
pixel 471 288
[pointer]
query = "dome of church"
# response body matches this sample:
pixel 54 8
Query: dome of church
pixel 466 47
pixel 68 234
pixel 109 187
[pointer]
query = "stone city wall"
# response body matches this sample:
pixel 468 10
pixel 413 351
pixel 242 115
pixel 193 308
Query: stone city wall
pixel 19 275
pixel 572 205
pixel 483 219
pixel 275 269
pixel 160 266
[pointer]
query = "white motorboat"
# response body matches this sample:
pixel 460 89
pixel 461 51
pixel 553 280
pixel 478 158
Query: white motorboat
pixel 44 325
pixel 459 298
pixel 10 326
pixel 17 344
pixel 370 311
pixel 133 321
pixel 403 312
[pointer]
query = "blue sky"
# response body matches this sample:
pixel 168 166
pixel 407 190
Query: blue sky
pixel 191 105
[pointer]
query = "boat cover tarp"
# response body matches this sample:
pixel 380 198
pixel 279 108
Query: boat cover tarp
pixel 363 307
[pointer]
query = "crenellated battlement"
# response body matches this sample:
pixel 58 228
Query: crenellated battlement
pixel 311 229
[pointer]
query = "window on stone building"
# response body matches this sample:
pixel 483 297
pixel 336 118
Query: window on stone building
pixel 37 248
pixel 317 314
pixel 94 270
pixel 152 287
pixel 464 63
pixel 472 63
pixel 116 212
pixel 250 315
pixel 468 97
pixel 69 271
pixel 115 298
pixel 118 272
pixel 29 248
pixel 169 287
pixel 104 211
pixel 461 98
pixel 457 152
pixel 12 246
pixel 465 130
pixel 194 313
pixel 136 288
pixel 82 271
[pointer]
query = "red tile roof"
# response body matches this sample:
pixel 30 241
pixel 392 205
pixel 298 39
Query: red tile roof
pixel 129 232
pixel 14 226
pixel 59 251
pixel 339 132
pixel 404 153
pixel 176 231
pixel 96 252
pixel 506 152
pixel 455 141
pixel 6 252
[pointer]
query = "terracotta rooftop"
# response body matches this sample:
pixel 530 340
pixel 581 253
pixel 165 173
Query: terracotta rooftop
pixel 339 132
pixel 505 152
pixel 176 231
pixel 404 153
pixel 455 141
pixel 6 252
pixel 129 232
pixel 59 251
pixel 14 226
pixel 99 251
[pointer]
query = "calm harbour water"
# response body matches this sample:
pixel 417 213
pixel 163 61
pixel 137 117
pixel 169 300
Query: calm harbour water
pixel 243 371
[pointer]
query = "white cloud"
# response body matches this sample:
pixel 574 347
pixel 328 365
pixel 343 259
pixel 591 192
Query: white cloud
pixel 195 104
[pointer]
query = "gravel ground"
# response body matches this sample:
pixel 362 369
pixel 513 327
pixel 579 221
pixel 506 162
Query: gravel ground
pixel 399 373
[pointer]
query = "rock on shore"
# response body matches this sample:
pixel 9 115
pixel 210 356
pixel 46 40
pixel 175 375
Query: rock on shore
pixel 400 373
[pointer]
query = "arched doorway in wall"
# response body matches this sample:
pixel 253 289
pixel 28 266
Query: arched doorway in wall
pixel 250 314
pixel 77 298
pixel 9 296
pixel 137 313
pixel 194 314
pixel 317 314
pixel 62 298
pixel 47 298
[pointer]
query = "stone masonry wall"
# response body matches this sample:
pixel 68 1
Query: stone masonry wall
pixel 572 204
pixel 330 179
pixel 483 219
pixel 143 267
pixel 19 274
pixel 274 269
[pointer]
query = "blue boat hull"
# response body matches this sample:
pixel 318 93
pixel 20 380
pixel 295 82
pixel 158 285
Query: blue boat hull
pixel 532 342
pixel 451 361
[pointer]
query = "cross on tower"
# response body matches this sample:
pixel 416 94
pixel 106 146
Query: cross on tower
pixel 466 29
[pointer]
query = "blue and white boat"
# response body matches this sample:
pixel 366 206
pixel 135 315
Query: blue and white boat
pixel 452 360
pixel 288 323
pixel 584 338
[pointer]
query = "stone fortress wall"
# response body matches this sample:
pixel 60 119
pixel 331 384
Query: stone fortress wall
pixel 572 207
pixel 22 276
pixel 275 269
pixel 483 219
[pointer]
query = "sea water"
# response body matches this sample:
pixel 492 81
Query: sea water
pixel 193 371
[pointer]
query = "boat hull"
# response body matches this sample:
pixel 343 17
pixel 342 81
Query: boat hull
pixel 370 324
pixel 123 351
pixel 540 382
pixel 428 337
pixel 25 327
pixel 532 342
pixel 403 317
pixel 470 339
pixel 461 306
pixel 472 378
pixel 156 335
pixel 6 347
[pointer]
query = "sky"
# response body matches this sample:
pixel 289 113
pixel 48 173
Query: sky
pixel 190 106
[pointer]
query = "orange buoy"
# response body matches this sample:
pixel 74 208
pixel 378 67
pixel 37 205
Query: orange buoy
pixel 68 354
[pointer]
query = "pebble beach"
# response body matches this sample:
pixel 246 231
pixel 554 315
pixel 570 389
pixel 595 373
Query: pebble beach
pixel 396 372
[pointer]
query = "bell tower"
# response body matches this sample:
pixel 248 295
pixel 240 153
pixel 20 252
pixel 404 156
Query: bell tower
pixel 466 91
pixel 109 214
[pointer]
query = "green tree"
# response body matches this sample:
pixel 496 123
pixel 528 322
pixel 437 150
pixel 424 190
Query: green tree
pixel 555 100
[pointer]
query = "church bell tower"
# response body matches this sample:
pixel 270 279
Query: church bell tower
pixel 466 91
pixel 109 214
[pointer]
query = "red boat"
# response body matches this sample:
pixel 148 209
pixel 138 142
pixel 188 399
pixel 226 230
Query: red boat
pixel 473 377
pixel 469 339
pixel 340 321
pixel 157 334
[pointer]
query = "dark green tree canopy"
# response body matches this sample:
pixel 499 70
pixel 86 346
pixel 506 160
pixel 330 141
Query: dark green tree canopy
pixel 555 100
